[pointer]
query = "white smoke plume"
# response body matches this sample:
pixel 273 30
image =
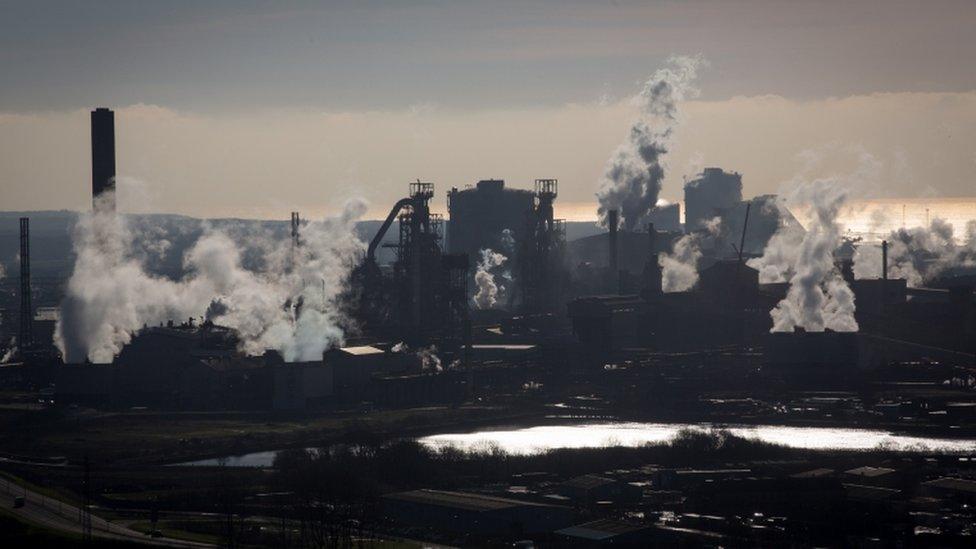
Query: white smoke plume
pixel 679 269
pixel 818 298
pixel 919 254
pixel 635 171
pixel 487 295
pixel 781 252
pixel 110 294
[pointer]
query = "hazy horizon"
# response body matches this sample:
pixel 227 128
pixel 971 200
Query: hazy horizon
pixel 249 109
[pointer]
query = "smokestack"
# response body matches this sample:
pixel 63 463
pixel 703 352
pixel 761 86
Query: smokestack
pixel 652 270
pixel 295 222
pixel 612 245
pixel 651 235
pixel 26 335
pixel 884 260
pixel 103 156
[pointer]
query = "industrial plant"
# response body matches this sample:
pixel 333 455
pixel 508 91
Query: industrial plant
pixel 366 349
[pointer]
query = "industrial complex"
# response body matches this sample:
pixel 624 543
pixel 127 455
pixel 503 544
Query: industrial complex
pixel 494 317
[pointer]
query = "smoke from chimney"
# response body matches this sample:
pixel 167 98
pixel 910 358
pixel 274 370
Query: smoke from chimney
pixel 110 294
pixel 635 171
pixel 679 269
pixel 487 294
pixel 818 297
pixel 920 254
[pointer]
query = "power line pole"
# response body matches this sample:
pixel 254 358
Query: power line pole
pixel 86 523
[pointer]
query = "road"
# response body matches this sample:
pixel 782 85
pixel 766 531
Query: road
pixel 59 516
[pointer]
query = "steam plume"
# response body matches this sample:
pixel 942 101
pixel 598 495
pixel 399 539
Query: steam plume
pixel 635 171
pixel 487 295
pixel 679 269
pixel 818 298
pixel 110 294
pixel 919 254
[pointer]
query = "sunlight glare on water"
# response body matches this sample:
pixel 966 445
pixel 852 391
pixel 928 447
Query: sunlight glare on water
pixel 538 439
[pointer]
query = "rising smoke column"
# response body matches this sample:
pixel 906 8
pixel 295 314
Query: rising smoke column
pixel 110 294
pixel 919 254
pixel 679 269
pixel 818 297
pixel 635 171
pixel 487 294
pixel 781 252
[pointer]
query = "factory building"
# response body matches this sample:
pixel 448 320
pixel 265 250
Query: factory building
pixel 480 215
pixel 708 194
pixel 589 489
pixel 666 217
pixel 765 217
pixel 606 533
pixel 194 368
pixel 423 297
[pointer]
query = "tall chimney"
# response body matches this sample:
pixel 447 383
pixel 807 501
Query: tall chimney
pixel 884 260
pixel 103 157
pixel 651 235
pixel 612 245
pixel 652 271
pixel 25 338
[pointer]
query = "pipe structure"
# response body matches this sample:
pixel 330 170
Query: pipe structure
pixel 378 239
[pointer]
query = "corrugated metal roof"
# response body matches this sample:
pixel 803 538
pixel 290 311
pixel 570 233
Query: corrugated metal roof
pixel 362 350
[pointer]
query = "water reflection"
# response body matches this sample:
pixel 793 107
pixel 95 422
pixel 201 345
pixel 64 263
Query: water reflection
pixel 597 434
pixel 256 459
pixel 537 439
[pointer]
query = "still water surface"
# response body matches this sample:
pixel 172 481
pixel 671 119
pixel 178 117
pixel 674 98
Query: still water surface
pixel 530 440
pixel 538 439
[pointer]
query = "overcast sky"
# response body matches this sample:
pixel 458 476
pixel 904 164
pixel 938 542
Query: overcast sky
pixel 259 108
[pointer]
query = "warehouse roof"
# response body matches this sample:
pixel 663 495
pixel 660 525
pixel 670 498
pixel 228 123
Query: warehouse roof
pixel 870 472
pixel 461 500
pixel 954 484
pixel 599 530
pixel 362 350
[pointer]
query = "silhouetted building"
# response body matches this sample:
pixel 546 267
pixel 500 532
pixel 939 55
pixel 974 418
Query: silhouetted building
pixel 666 217
pixel 710 192
pixel 479 217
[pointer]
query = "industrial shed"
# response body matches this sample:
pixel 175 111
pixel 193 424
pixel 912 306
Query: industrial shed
pixel 605 532
pixel 475 513
pixel 593 488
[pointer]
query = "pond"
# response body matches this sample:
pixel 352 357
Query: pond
pixel 529 440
